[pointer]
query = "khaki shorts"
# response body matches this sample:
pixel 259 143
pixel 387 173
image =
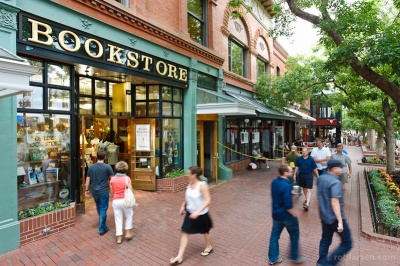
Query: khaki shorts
pixel 344 178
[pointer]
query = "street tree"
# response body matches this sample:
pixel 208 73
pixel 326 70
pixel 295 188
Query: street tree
pixel 359 34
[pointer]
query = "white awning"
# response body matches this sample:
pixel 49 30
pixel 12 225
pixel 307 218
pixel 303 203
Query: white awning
pixel 302 116
pixel 225 109
pixel 211 102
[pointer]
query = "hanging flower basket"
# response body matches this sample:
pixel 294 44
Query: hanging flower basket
pixel 234 129
pixel 249 129
pixel 260 129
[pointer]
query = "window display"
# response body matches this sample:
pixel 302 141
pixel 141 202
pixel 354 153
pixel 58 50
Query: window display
pixel 43 152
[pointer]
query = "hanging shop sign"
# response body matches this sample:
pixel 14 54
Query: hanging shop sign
pixel 73 42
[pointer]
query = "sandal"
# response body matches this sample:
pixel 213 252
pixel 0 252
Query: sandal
pixel 305 207
pixel 175 261
pixel 207 252
pixel 119 239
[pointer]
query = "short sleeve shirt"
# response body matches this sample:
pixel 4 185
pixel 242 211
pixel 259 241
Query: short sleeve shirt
pixel 344 159
pixel 329 186
pixel 306 166
pixel 291 158
pixel 99 174
pixel 320 154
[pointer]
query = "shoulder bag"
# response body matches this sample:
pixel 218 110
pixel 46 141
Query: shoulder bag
pixel 129 199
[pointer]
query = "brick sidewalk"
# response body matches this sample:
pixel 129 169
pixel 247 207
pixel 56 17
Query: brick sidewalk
pixel 242 223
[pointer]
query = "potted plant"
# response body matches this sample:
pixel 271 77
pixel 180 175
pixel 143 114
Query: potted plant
pixel 249 129
pixel 260 128
pixel 174 181
pixel 234 128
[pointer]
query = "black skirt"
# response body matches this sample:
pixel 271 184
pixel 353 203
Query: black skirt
pixel 201 225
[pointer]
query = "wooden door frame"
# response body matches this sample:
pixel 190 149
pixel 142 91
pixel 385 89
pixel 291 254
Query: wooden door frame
pixel 142 178
pixel 200 127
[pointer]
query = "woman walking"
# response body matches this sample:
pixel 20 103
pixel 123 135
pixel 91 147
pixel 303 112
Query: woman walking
pixel 197 220
pixel 118 184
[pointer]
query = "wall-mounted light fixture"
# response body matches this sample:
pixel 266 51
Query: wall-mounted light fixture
pixel 246 120
pixel 269 122
pixel 259 121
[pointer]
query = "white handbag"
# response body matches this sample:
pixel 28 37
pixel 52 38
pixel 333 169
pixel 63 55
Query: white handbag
pixel 129 199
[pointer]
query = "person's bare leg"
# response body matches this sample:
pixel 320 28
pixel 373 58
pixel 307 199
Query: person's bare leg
pixel 308 196
pixel 305 191
pixel 182 247
pixel 207 238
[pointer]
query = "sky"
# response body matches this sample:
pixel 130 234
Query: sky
pixel 304 38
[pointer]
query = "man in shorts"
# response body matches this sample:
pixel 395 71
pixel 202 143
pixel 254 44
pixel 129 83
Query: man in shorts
pixel 346 162
pixel 303 173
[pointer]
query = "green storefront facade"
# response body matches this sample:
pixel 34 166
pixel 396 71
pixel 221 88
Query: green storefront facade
pixel 170 69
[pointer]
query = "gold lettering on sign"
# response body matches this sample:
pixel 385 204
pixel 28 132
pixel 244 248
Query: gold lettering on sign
pixel 36 32
pixel 42 34
pixel 147 60
pixel 115 53
pixel 172 71
pixel 158 68
pixel 61 37
pixel 132 57
pixel 182 74
pixel 87 48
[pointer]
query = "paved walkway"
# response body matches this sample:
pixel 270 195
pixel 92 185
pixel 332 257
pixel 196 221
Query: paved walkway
pixel 242 223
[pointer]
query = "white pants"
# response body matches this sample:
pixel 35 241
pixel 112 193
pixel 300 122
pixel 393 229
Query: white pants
pixel 119 211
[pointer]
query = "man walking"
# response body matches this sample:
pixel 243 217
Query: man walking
pixel 346 162
pixel 98 176
pixel 283 215
pixel 291 160
pixel 303 173
pixel 332 217
pixel 320 154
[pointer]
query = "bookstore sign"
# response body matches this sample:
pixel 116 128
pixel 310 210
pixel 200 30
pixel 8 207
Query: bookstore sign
pixel 71 42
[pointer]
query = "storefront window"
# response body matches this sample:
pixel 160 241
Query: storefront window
pixel 33 100
pixel 43 155
pixel 58 99
pixel 58 75
pixel 38 77
pixel 166 93
pixel 85 105
pixel 154 92
pixel 85 86
pixel 172 148
pixel 101 88
pixel 177 109
pixel 100 107
pixel 167 109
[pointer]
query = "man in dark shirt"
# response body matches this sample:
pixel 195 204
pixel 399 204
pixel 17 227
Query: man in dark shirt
pixel 98 176
pixel 303 174
pixel 333 220
pixel 283 216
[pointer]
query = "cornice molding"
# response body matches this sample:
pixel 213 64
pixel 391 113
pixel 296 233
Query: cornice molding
pixel 238 78
pixel 129 19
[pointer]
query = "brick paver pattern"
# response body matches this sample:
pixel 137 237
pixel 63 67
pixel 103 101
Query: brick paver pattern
pixel 241 212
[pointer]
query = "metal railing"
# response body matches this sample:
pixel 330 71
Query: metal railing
pixel 379 226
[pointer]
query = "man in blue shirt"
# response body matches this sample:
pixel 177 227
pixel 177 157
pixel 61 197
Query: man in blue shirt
pixel 283 216
pixel 98 177
pixel 330 197
pixel 303 174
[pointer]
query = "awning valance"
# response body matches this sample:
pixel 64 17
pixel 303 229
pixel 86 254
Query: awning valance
pixel 301 117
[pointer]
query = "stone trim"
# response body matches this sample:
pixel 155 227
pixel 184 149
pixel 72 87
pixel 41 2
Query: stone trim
pixel 238 78
pixel 8 18
pixel 129 19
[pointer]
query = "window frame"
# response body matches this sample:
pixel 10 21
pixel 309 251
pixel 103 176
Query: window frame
pixel 203 22
pixel 243 63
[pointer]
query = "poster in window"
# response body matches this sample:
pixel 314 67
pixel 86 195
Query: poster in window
pixel 122 127
pixel 143 137
pixel 244 137
pixel 256 137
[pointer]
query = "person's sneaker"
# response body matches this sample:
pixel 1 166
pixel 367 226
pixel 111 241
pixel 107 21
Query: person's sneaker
pixel 276 262
pixel 299 260
pixel 105 232
pixel 267 167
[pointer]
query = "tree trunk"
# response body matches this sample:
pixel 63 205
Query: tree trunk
pixel 379 144
pixel 390 139
pixel 371 139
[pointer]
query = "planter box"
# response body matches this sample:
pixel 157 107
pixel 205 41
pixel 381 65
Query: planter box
pixel 41 226
pixel 172 185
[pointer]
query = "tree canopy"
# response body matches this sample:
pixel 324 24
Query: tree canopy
pixel 361 35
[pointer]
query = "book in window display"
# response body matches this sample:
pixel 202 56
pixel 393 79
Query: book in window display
pixel 51 174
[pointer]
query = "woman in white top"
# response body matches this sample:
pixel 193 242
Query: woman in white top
pixel 197 220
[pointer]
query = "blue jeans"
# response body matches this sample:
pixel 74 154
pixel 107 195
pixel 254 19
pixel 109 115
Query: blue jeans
pixel 326 240
pixel 322 171
pixel 102 207
pixel 292 226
